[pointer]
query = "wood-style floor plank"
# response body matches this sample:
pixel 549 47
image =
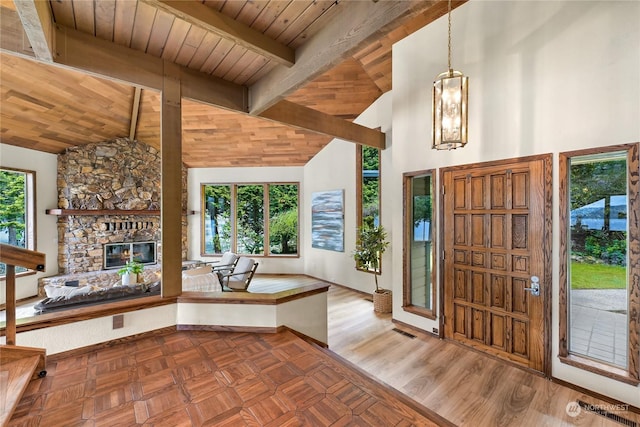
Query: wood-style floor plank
pixel 462 385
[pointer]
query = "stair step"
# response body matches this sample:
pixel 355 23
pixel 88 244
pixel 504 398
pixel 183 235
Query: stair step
pixel 14 379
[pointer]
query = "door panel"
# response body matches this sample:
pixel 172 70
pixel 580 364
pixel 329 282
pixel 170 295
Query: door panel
pixel 494 241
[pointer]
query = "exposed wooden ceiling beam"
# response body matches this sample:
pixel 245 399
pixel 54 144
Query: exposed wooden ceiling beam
pixel 83 52
pixel 135 112
pixel 307 118
pixel 197 86
pixel 359 23
pixel 203 16
pixel 38 25
pixel 86 53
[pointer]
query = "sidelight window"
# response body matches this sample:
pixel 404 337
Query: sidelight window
pixel 419 241
pixel 600 259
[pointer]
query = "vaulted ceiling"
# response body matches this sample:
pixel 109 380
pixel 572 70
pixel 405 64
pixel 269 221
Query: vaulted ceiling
pixel 263 83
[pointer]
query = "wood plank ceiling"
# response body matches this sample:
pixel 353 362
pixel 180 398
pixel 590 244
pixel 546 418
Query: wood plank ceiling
pixel 303 74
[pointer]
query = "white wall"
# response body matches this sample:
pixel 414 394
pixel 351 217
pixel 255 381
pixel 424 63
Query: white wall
pixel 45 167
pixel 85 333
pixel 197 177
pixel 334 169
pixel 306 315
pixel 544 77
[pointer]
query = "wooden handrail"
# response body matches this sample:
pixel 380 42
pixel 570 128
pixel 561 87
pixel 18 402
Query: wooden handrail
pixel 24 361
pixel 14 256
pixel 20 257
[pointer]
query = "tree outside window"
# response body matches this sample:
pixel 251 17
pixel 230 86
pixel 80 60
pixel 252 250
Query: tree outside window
pixel 599 261
pixel 257 219
pixel 283 219
pixel 370 186
pixel 216 219
pixel 250 222
pixel 16 210
pixel 368 194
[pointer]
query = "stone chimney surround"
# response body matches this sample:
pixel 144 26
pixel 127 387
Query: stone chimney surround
pixel 111 178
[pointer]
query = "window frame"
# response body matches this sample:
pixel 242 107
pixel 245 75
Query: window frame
pixel 234 218
pixel 631 375
pixel 30 214
pixel 359 195
pixel 407 194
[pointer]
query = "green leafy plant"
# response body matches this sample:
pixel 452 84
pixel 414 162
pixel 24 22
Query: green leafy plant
pixel 283 230
pixel 371 244
pixel 131 267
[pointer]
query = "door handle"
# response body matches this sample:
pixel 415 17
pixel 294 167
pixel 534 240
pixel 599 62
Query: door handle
pixel 535 286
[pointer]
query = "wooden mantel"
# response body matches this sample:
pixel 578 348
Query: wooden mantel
pixel 96 212
pixel 89 212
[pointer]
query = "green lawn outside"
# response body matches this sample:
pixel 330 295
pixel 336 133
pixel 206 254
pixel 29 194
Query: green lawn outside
pixel 597 276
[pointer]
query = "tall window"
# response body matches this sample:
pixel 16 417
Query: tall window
pixel 216 219
pixel 17 210
pixel 258 219
pixel 600 252
pixel 419 272
pixel 283 219
pixel 250 219
pixel 367 188
pixel 369 185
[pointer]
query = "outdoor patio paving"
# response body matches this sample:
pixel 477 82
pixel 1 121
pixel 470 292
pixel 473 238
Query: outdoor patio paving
pixel 599 327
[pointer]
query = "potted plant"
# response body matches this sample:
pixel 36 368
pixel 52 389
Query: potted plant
pixel 130 272
pixel 371 244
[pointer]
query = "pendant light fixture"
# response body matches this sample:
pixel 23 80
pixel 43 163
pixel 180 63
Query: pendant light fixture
pixel 450 106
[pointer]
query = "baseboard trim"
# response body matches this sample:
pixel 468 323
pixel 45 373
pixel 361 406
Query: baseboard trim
pixel 223 328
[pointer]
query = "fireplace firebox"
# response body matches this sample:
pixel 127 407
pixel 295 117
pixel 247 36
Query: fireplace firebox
pixel 118 254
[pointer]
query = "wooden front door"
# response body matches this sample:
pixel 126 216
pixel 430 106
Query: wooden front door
pixel 496 222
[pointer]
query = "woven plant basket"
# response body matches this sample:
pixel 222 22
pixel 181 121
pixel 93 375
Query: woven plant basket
pixel 382 301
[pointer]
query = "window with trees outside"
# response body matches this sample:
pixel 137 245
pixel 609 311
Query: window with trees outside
pixel 257 219
pixel 368 190
pixel 17 210
pixel 600 260
pixel 419 272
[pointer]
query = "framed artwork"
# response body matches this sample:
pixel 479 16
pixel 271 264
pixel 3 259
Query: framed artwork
pixel 327 220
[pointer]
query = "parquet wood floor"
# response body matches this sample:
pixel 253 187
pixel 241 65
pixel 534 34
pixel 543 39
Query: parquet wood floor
pixel 173 380
pixel 198 378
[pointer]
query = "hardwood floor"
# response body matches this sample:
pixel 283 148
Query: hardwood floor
pixel 199 378
pixel 464 386
pixel 213 378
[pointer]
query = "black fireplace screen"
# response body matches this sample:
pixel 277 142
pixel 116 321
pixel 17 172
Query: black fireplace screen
pixel 118 254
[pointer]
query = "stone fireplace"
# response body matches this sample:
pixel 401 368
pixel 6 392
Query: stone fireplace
pixel 116 185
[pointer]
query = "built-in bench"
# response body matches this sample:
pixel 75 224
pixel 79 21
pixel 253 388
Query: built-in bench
pixel 103 278
pixel 90 295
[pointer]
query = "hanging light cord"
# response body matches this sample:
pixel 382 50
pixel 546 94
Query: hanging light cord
pixel 449 43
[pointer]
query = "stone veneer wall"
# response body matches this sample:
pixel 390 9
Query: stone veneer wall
pixel 116 175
